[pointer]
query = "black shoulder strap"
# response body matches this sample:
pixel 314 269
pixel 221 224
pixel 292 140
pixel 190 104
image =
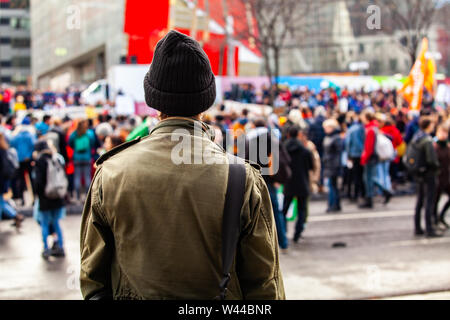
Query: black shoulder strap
pixel 231 228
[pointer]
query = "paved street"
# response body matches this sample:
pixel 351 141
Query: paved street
pixel 382 258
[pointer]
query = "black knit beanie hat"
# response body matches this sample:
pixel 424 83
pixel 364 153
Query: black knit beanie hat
pixel 180 81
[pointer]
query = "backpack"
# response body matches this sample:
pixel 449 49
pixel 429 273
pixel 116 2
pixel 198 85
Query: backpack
pixel 82 144
pixel 53 138
pixel 57 183
pixel 10 163
pixel 384 149
pixel 414 160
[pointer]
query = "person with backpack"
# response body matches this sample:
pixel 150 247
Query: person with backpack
pixel 371 156
pixel 392 139
pixel 51 189
pixel 298 185
pixel 82 143
pixel 172 215
pixel 8 166
pixel 423 164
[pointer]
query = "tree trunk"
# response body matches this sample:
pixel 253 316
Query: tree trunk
pixel 276 58
pixel 269 73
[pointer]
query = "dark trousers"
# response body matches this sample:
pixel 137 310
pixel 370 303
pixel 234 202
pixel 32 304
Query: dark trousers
pixel 334 198
pixel 356 186
pixel 441 190
pixel 426 194
pixel 302 206
pixel 4 108
pixel 19 184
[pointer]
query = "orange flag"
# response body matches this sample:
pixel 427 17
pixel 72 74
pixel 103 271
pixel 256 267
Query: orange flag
pixel 412 89
pixel 430 78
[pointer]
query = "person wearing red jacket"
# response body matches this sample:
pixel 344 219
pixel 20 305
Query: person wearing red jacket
pixel 392 132
pixel 369 160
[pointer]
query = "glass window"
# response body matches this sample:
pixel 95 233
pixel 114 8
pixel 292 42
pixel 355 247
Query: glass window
pixel 19 4
pixel 5 40
pixel 5 64
pixel 4 21
pixel 21 62
pixel 20 23
pixel 20 42
pixel 5 79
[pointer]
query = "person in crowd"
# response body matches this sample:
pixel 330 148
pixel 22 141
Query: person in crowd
pixel 389 129
pixel 5 100
pixel 82 143
pixel 23 141
pixel 238 130
pixel 412 126
pixel 57 134
pixel 43 127
pixel 259 143
pixel 443 154
pixel 369 161
pixel 7 211
pixel 19 105
pixel 298 185
pixel 332 152
pixel 316 134
pixel 383 166
pixel 354 146
pixel 222 130
pixel 314 174
pixel 182 199
pixel 50 207
pixel 112 142
pixel 426 177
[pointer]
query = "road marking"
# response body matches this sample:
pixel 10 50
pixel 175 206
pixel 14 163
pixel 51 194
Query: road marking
pixel 361 215
pixel 419 242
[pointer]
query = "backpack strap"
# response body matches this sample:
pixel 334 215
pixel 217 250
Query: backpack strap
pixel 231 224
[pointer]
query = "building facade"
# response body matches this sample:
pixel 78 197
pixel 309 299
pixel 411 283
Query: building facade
pixel 335 33
pixel 75 42
pixel 15 54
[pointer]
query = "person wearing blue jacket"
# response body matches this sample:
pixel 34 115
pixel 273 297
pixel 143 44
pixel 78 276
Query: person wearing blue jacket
pixel 82 142
pixel 354 146
pixel 23 141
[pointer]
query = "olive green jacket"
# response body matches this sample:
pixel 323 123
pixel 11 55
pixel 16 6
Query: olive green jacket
pixel 151 226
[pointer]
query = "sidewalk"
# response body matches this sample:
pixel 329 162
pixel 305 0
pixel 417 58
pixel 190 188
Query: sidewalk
pixel 444 295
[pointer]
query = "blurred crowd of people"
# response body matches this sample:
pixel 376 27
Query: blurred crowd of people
pixel 27 148
pixel 340 143
pixel 353 144
pixel 26 98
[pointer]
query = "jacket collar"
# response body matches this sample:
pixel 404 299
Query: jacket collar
pixel 194 126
